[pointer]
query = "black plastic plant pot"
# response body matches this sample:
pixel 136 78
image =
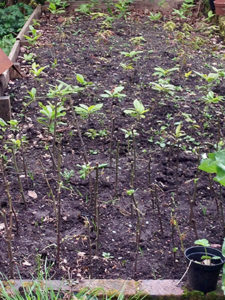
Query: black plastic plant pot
pixel 203 277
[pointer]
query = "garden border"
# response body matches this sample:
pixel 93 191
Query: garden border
pixel 142 289
pixel 152 289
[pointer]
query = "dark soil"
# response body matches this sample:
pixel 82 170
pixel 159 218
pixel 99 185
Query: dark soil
pixel 79 44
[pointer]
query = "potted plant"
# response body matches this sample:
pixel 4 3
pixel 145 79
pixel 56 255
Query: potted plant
pixel 204 267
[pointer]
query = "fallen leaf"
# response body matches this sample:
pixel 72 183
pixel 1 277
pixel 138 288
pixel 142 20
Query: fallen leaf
pixel 32 194
pixel 26 263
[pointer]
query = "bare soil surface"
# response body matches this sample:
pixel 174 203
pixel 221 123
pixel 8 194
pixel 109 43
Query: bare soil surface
pixel 165 178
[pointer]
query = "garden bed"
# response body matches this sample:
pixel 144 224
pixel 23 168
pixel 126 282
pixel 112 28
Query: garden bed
pixel 155 158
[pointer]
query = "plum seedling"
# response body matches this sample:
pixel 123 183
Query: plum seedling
pixel 132 54
pixel 160 72
pixel 50 115
pixel 33 37
pixel 206 259
pixel 36 71
pixel 164 86
pixel 155 16
pixel 80 79
pixel 138 112
pixel 86 111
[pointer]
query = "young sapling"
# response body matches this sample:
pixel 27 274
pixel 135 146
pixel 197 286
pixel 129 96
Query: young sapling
pixel 206 258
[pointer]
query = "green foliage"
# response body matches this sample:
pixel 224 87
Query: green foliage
pixel 12 18
pixel 63 89
pixel 31 97
pixel 33 35
pixel 29 57
pixel 215 163
pixel 115 93
pixel 138 111
pixel 121 7
pixel 57 6
pixel 85 111
pixel 170 26
pixel 160 72
pixel 50 113
pixel 211 97
pixel 155 16
pixel 85 8
pixel 202 242
pixel 80 79
pixel 164 86
pixel 36 71
pixel 7 42
pixel 132 54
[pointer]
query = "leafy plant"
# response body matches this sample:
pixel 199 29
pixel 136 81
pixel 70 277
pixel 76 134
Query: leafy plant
pixel 33 37
pixel 211 97
pixel 132 54
pixel 63 89
pixel 6 43
pixel 170 26
pixel 160 72
pixel 164 86
pixel 114 93
pixel 29 57
pixel 57 6
pixel 107 255
pixel 12 18
pixel 155 16
pixel 80 79
pixel 208 77
pixel 50 114
pixel 67 174
pixel 214 163
pixel 138 111
pixel 85 8
pixel 138 40
pixel 206 258
pixel 31 96
pixel 85 111
pixel 36 71
pixel 122 7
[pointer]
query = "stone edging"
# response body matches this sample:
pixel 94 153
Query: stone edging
pixel 106 288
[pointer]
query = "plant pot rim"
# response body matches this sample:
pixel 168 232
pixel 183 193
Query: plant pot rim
pixel 201 250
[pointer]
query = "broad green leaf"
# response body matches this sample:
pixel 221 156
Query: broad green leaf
pixel 202 242
pixel 208 165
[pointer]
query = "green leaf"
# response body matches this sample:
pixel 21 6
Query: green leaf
pixel 202 242
pixel 208 165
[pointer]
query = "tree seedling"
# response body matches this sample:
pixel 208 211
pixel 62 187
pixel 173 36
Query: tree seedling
pixel 211 97
pixel 63 89
pixel 138 40
pixel 86 111
pixel 206 259
pixel 32 97
pixel 50 115
pixel 155 16
pixel 114 93
pixel 132 54
pixel 36 71
pixel 33 37
pixel 164 86
pixel 138 112
pixel 80 79
pixel 160 72
pixel 29 57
